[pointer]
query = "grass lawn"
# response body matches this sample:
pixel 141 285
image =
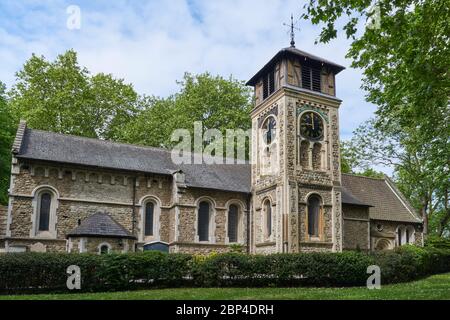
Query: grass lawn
pixel 434 288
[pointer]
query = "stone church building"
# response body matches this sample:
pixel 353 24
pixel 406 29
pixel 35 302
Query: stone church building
pixel 77 194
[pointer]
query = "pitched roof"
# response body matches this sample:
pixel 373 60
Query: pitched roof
pixel 386 200
pixel 100 225
pixel 349 198
pixel 61 148
pixel 293 52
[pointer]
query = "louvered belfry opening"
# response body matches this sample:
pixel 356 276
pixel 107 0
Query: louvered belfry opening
pixel 315 76
pixel 306 77
pixel 269 84
pixel 311 78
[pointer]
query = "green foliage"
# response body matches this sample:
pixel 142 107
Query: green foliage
pixel 217 102
pixel 437 242
pixel 409 262
pixel 63 97
pixel 7 131
pixel 47 271
pixel 352 161
pixel 237 248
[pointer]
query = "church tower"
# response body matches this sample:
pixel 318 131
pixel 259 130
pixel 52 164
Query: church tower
pixel 296 177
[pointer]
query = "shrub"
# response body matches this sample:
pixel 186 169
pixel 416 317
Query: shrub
pixel 24 272
pixel 409 262
pixel 437 242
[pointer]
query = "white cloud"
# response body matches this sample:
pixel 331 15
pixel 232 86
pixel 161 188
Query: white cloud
pixel 151 44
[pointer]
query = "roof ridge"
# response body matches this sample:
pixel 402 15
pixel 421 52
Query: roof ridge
pixel 365 177
pixel 100 140
pixel 139 146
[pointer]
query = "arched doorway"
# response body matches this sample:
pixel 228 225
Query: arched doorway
pixel 383 244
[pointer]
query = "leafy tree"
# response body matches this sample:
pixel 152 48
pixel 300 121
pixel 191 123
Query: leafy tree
pixel 217 102
pixel 426 188
pixel 405 61
pixel 63 97
pixel 352 162
pixel 7 130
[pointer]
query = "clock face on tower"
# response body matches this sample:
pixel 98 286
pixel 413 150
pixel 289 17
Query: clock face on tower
pixel 311 126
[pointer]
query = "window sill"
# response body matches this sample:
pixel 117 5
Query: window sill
pixel 265 244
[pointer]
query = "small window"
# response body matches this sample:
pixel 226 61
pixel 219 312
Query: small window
pixel 104 249
pixel 44 211
pixel 149 216
pixel 269 129
pixel 203 221
pixel 268 218
pixel 399 236
pixel 313 216
pixel 233 219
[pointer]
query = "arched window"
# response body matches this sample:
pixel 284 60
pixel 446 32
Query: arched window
pixel 405 235
pixel 411 235
pixel 268 218
pixel 149 217
pixel 45 201
pixel 317 156
pixel 304 149
pixel 104 248
pixel 269 130
pixel 203 221
pixel 233 222
pixel 45 205
pixel 313 215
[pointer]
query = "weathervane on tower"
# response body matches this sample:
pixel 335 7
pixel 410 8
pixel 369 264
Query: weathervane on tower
pixel 292 32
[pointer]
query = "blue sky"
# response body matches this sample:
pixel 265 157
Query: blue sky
pixel 152 43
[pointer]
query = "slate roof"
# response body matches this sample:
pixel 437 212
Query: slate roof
pixel 387 203
pixel 290 51
pixel 381 195
pixel 349 198
pixel 61 148
pixel 100 225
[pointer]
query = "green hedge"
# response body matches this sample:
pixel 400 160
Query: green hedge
pixel 25 272
pixel 437 242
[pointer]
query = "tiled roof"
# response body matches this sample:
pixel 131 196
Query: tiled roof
pixel 61 148
pixel 100 225
pixel 386 200
pixel 293 52
pixel 349 198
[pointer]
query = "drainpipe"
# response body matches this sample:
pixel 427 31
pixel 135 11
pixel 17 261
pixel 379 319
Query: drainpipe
pixel 133 220
pixel 248 222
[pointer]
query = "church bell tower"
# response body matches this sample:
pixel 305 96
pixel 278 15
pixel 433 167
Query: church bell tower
pixel 296 177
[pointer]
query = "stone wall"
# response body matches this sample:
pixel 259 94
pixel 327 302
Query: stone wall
pixel 92 244
pixel 220 200
pixel 82 192
pixel 3 219
pixel 385 231
pixel 356 228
